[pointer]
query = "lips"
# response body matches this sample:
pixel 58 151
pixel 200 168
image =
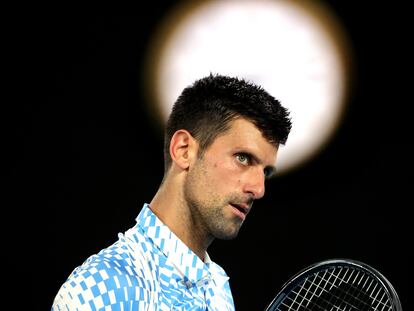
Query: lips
pixel 242 207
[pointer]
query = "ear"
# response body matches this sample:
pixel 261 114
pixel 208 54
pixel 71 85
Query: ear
pixel 183 147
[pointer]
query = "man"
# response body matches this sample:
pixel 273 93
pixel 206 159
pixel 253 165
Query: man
pixel 221 143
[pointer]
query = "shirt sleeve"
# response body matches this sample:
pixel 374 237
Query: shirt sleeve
pixel 101 287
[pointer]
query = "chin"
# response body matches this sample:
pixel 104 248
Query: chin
pixel 227 235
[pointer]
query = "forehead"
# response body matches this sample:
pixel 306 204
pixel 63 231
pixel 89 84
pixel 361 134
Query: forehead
pixel 244 136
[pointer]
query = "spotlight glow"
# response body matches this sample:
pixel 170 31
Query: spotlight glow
pixel 294 49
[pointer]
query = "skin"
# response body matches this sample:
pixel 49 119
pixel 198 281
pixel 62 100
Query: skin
pixel 209 196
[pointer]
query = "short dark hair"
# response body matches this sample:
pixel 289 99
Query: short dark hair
pixel 206 107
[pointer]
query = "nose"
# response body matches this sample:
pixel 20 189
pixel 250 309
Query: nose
pixel 255 183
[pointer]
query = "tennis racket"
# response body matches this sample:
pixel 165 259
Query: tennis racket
pixel 337 284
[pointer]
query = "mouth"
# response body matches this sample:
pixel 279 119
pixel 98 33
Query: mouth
pixel 240 209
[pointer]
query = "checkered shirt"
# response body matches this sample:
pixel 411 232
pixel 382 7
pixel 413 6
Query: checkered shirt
pixel 148 268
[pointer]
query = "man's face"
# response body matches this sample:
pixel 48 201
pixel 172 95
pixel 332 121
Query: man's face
pixel 223 183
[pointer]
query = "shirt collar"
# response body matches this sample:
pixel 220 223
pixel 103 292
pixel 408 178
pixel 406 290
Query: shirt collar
pixel 180 255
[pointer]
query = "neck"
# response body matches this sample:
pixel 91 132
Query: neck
pixel 171 208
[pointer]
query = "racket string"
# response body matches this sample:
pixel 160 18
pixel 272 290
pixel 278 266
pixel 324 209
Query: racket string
pixel 334 290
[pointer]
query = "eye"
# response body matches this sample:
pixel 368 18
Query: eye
pixel 268 172
pixel 243 158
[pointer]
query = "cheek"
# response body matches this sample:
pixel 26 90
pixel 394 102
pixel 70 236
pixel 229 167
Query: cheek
pixel 223 174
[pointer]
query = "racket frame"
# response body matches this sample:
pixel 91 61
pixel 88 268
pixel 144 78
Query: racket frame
pixel 302 275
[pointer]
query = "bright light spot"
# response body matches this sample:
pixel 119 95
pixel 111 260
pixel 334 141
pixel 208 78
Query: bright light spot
pixel 279 45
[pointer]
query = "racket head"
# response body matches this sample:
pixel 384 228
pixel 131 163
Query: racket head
pixel 337 284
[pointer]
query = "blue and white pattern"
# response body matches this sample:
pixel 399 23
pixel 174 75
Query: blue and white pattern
pixel 148 268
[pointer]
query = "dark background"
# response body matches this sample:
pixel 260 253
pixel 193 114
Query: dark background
pixel 83 156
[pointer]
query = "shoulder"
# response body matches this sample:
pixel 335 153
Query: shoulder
pixel 105 279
